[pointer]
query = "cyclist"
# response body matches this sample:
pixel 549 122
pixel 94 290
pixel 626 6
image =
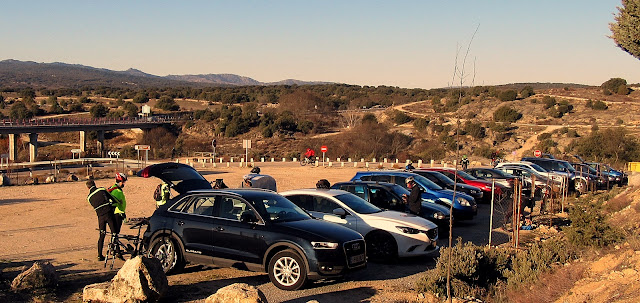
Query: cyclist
pixel 165 194
pixel 121 202
pixel 464 162
pixel 309 154
pixel 102 203
pixel 409 166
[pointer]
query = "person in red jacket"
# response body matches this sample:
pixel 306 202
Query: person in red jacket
pixel 309 154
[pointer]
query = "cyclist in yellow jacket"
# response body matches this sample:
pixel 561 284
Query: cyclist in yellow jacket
pixel 121 203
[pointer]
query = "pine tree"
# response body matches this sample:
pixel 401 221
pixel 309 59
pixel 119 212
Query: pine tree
pixel 626 29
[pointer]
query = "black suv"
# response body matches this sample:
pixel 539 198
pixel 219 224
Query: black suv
pixel 254 229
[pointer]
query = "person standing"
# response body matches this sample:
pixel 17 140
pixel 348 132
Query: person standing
pixel 414 200
pixel 121 202
pixel 165 194
pixel 103 204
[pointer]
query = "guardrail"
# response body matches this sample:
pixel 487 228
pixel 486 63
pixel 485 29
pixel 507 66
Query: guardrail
pixel 93 121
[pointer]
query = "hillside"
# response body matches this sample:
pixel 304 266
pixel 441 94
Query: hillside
pixel 19 74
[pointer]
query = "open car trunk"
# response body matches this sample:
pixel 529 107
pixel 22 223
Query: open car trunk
pixel 181 177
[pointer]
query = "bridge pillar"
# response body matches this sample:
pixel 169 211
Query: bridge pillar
pixel 33 147
pixel 100 144
pixel 83 141
pixel 13 150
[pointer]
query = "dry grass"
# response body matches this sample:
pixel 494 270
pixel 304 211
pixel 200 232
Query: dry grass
pixel 618 203
pixel 550 286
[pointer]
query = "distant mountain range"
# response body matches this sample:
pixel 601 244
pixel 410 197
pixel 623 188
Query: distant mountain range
pixel 14 73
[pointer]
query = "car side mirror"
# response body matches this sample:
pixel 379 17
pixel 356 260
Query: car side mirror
pixel 248 217
pixel 340 212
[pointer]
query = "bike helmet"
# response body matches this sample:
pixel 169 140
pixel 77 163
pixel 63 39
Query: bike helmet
pixel 408 180
pixel 121 177
pixel 255 170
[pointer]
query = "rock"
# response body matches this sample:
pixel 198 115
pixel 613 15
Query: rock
pixel 140 279
pixel 40 275
pixel 5 180
pixel 32 181
pixel 50 179
pixel 72 177
pixel 131 172
pixel 237 293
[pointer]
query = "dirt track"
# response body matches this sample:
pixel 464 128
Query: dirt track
pixel 54 222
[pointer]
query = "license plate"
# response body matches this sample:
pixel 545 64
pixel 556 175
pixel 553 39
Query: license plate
pixel 357 259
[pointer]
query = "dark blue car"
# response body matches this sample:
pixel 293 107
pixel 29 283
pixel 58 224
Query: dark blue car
pixel 464 206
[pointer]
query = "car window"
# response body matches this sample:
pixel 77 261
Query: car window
pixel 324 205
pixel 231 208
pixel 281 209
pixel 200 206
pixel 357 204
pixel 180 205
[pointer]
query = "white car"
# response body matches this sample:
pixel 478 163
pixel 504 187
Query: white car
pixel 388 234
pixel 555 176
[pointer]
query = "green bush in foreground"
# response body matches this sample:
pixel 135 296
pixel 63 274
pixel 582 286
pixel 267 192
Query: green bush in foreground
pixel 589 226
pixel 479 271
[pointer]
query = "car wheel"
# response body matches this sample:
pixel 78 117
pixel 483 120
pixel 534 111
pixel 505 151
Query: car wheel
pixel 381 246
pixel 168 253
pixel 287 270
pixel 580 186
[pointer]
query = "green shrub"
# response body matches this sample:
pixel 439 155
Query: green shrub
pixel 99 110
pixel 597 105
pixel 613 85
pixel 526 92
pixel 526 266
pixel 400 118
pixel 167 103
pixel 548 102
pixel 589 227
pixel 508 95
pixel 476 130
pixel 420 124
pixel 506 114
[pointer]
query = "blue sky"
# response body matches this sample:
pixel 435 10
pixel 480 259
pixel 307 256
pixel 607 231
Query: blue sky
pixel 398 43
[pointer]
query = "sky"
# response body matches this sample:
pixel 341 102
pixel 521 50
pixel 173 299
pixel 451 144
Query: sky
pixel 409 44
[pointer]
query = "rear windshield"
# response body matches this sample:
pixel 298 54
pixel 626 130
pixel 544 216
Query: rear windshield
pixel 357 204
pixel 538 167
pixel 464 175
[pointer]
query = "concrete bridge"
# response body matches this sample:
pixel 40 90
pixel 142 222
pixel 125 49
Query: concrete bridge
pixel 33 127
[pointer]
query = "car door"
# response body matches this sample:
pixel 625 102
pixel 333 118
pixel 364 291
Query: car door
pixel 358 190
pixel 194 223
pixel 233 239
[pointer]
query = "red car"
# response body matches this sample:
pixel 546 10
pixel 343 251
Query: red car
pixel 468 179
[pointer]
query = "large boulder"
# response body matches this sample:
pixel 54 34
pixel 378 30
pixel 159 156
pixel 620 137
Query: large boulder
pixel 4 180
pixel 72 177
pixel 140 279
pixel 237 293
pixel 40 275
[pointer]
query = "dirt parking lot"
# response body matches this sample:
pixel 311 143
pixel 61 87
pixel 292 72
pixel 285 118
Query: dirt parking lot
pixel 54 222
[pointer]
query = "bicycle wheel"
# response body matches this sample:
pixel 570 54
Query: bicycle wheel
pixel 303 162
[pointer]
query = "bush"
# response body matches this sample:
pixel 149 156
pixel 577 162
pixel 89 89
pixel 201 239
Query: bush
pixel 589 227
pixel 476 130
pixel 527 92
pixel 20 111
pixel 400 118
pixel 420 124
pixel 548 102
pixel 99 110
pixel 506 114
pixel 167 103
pixel 597 105
pixel 508 95
pixel 615 85
pixel 141 98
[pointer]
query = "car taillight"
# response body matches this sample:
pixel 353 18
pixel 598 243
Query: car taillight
pixel 145 172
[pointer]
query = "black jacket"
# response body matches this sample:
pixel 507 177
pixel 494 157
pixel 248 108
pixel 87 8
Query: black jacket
pixel 100 200
pixel 414 201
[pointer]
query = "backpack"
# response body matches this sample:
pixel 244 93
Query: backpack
pixel 157 194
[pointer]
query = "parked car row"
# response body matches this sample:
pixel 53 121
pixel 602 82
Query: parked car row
pixel 294 236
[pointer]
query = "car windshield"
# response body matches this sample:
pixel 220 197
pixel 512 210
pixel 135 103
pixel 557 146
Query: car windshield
pixel 538 168
pixel 424 182
pixel 501 173
pixel 466 176
pixel 279 209
pixel 568 166
pixel 357 204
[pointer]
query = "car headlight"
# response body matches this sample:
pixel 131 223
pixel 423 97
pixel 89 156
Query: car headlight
pixel 475 192
pixel 324 245
pixel 408 230
pixel 438 215
pixel 463 201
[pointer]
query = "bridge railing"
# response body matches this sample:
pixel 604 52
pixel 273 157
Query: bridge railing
pixel 95 121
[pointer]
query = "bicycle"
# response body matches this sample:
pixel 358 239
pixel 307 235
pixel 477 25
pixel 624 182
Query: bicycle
pixel 305 160
pixel 132 246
